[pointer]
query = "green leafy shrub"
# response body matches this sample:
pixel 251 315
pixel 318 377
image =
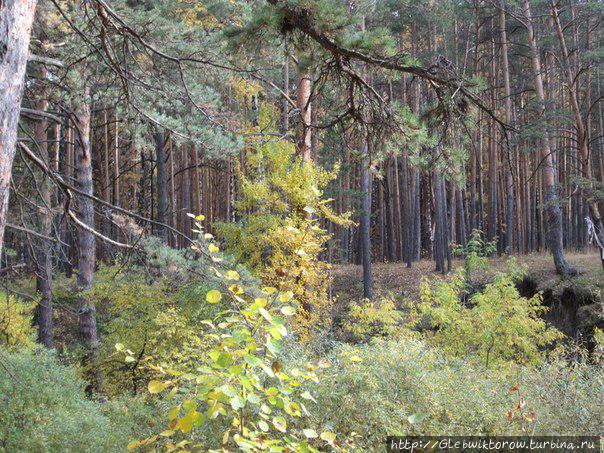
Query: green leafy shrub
pixel 241 388
pixel 370 319
pixel 153 305
pixel 475 252
pixel 43 408
pixel 278 237
pixel 493 326
pixel 16 315
pixel 151 319
pixel 405 387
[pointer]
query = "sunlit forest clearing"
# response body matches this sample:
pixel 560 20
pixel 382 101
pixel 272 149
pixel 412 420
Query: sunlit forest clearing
pixel 300 225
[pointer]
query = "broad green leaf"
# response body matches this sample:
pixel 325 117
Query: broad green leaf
pixel 229 390
pixel 273 345
pixel 185 424
pixel 189 405
pixel 224 359
pixel 173 413
pixel 237 402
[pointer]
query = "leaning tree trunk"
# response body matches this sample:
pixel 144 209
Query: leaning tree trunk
pixel 581 126
pixel 16 17
pixel 551 202
pixel 86 240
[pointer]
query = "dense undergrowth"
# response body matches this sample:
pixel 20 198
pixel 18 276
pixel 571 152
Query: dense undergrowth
pixel 363 394
pixel 197 353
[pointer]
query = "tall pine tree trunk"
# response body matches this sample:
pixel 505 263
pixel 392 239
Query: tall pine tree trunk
pixel 366 222
pixel 548 172
pixel 86 242
pixel 439 222
pixel 44 312
pixel 162 185
pixel 304 136
pixel 509 185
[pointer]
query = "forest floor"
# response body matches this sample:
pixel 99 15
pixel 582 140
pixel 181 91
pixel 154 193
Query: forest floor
pixel 397 280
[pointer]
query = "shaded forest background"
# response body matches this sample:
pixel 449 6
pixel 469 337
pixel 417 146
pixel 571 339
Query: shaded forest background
pixel 150 147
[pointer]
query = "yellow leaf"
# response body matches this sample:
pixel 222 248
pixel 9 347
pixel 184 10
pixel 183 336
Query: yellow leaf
pixel 231 275
pixel 212 248
pixel 132 445
pixel 261 302
pixel 268 290
pixel 286 296
pixel 213 296
pixel 173 413
pixel 328 436
pixel 185 424
pixel 156 387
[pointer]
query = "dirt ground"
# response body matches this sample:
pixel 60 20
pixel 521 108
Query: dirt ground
pixel 403 282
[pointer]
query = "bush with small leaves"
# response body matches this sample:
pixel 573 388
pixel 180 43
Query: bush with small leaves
pixel 278 235
pixel 152 306
pixel 43 408
pixel 370 319
pixel 16 316
pixel 494 326
pixel 405 387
